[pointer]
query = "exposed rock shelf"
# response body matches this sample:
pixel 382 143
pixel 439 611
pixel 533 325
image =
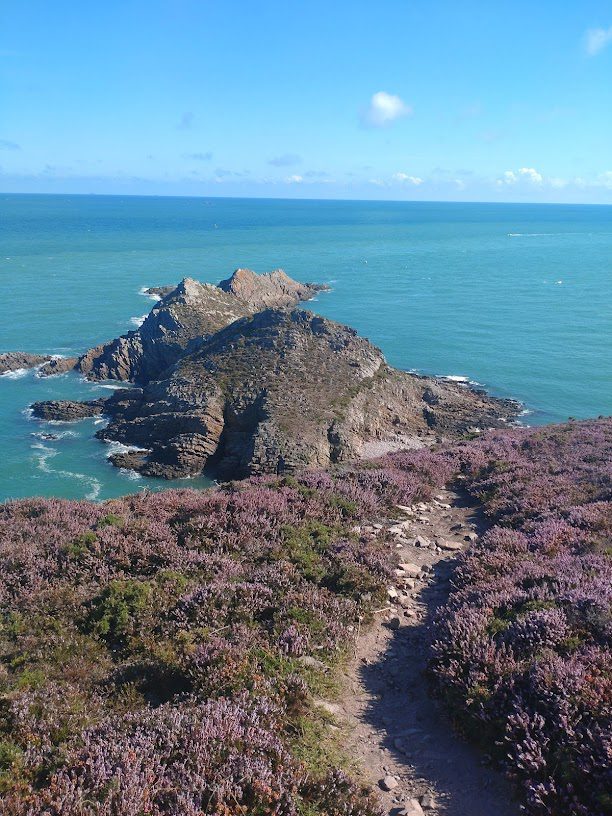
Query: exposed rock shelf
pixel 17 360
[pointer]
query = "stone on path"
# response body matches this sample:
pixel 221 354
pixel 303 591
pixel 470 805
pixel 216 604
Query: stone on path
pixel 389 783
pixel 428 802
pixel 449 545
pixel 411 808
pixel 411 570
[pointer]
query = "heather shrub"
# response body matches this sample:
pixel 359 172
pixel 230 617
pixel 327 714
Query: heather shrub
pixel 152 647
pixel 522 649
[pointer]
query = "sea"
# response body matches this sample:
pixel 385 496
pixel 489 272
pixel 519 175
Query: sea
pixel 514 297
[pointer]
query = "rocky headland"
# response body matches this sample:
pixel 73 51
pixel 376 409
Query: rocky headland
pixel 278 391
pixel 185 313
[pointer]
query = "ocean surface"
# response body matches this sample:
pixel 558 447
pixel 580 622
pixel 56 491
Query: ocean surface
pixel 515 297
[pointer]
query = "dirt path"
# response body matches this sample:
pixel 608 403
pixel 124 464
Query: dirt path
pixel 395 732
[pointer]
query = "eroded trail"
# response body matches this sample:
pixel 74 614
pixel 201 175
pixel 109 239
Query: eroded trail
pixel 395 732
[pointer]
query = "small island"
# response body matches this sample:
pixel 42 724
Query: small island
pixel 233 379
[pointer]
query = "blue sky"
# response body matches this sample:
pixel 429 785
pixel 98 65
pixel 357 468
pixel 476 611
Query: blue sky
pixel 398 99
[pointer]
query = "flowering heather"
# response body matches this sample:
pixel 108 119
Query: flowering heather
pixel 522 649
pixel 153 647
pixel 159 653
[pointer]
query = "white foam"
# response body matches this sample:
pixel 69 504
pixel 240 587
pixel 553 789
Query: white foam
pixel 17 374
pixel 115 447
pixel 110 386
pixel 138 320
pixel 132 475
pixel 61 435
pixel 458 378
pixel 151 295
pixel 45 454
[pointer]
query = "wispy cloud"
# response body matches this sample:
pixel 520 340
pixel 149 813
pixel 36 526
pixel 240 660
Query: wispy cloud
pixel 6 145
pixel 596 39
pixel 186 121
pixel 285 160
pixel 295 179
pixel 316 174
pixel 384 109
pixel 198 156
pixel 404 178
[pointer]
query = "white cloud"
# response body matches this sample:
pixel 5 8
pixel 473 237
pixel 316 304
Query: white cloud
pixel 605 180
pixel 384 109
pixel 511 177
pixel 531 174
pixel 295 179
pixel 596 39
pixel 405 178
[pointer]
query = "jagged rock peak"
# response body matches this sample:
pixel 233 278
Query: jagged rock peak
pixel 186 313
pixel 274 288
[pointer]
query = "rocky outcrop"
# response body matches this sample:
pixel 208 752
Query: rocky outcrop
pixel 57 365
pixel 67 410
pixel 274 290
pixel 17 360
pixel 185 314
pixel 283 390
pixel 159 291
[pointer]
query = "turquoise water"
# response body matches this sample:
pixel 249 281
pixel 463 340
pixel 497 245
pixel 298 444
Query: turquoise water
pixel 516 297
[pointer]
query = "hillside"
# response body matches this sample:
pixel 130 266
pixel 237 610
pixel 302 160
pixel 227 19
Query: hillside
pixel 165 653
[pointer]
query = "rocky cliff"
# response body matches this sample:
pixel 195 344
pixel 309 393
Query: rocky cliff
pixel 283 390
pixel 189 311
pixel 184 313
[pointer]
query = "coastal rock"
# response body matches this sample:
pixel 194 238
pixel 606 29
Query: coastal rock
pixel 184 316
pixel 277 392
pixel 57 365
pixel 67 410
pixel 17 360
pixel 159 291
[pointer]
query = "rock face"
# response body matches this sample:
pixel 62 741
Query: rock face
pixel 16 360
pixel 57 365
pixel 281 390
pixel 67 410
pixel 186 313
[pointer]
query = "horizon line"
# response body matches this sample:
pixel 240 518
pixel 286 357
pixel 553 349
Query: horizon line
pixel 318 200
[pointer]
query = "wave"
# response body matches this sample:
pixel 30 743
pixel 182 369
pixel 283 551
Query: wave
pixel 17 374
pixel 132 475
pixel 115 447
pixel 458 378
pixel 60 435
pixel 145 293
pixel 535 234
pixel 138 320
pixel 44 454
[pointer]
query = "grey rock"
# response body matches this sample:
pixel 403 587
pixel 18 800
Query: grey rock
pixel 389 783
pixel 15 360
pixel 67 410
pixel 184 315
